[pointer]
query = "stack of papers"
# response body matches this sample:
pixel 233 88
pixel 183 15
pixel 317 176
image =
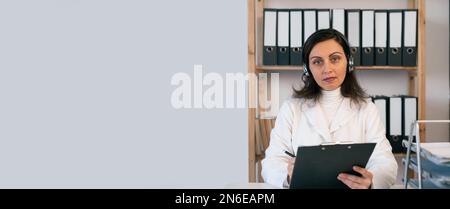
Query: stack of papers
pixel 435 161
pixel 438 152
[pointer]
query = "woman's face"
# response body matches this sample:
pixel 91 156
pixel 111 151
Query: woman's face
pixel 328 64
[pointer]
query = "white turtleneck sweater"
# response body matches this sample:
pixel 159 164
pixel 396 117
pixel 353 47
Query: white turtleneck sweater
pixel 330 102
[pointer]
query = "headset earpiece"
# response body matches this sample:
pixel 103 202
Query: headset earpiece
pixel 305 70
pixel 350 63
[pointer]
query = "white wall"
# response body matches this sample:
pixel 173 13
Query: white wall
pixel 85 90
pixel 396 82
pixel 437 67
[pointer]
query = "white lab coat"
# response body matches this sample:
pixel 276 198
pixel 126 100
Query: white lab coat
pixel 302 123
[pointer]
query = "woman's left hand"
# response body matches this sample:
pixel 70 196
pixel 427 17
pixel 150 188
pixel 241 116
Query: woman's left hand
pixel 356 182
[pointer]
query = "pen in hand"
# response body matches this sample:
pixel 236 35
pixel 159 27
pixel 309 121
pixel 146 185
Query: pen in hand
pixel 290 154
pixel 290 165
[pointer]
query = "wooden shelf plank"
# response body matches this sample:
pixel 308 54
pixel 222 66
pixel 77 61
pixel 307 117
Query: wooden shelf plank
pixel 251 92
pixel 399 155
pixel 299 68
pixel 422 67
pixel 405 68
pixel 279 68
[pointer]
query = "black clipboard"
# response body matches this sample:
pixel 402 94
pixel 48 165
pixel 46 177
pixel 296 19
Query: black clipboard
pixel 317 167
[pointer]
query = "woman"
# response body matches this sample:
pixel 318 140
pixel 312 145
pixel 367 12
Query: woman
pixel 330 107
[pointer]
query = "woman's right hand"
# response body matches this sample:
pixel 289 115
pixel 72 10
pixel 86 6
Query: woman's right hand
pixel 291 163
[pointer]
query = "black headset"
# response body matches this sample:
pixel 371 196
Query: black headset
pixel 349 56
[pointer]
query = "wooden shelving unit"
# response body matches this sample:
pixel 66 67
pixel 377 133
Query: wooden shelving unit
pixel 255 20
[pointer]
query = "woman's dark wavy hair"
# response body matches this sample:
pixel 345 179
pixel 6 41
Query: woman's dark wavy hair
pixel 349 87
